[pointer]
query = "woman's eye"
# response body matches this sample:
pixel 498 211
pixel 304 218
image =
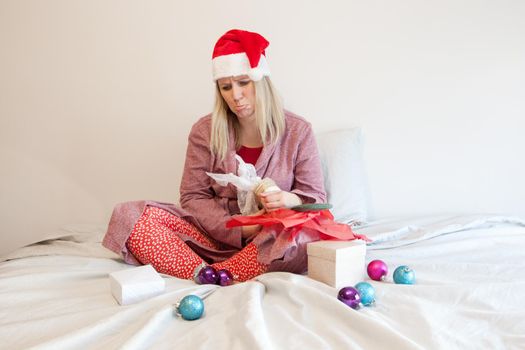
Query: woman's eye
pixel 244 82
pixel 226 87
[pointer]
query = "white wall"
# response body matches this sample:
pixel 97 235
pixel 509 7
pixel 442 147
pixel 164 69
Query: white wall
pixel 97 98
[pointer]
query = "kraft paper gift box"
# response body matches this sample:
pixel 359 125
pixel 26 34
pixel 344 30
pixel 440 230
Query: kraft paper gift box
pixel 135 284
pixel 337 263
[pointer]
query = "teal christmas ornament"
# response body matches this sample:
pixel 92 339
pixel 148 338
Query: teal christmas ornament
pixel 404 275
pixel 366 292
pixel 191 307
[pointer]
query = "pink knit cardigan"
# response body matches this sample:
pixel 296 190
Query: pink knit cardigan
pixel 292 162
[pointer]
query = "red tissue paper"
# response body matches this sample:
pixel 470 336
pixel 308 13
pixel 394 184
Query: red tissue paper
pixel 321 221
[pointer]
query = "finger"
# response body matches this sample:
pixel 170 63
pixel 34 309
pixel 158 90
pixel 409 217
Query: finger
pixel 270 193
pixel 273 205
pixel 273 197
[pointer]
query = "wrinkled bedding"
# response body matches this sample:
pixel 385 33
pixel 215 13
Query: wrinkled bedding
pixel 470 294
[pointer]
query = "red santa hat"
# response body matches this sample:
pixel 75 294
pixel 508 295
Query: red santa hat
pixel 239 52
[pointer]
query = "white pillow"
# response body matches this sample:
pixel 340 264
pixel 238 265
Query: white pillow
pixel 344 174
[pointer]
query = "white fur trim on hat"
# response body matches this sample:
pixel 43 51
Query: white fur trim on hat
pixel 237 64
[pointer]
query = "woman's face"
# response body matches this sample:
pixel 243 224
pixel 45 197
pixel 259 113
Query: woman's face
pixel 239 94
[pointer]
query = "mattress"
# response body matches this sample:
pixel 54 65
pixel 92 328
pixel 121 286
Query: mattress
pixel 469 294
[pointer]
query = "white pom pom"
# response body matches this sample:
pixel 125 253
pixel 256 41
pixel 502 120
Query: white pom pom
pixel 255 74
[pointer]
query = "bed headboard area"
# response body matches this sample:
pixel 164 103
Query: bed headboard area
pixel 418 107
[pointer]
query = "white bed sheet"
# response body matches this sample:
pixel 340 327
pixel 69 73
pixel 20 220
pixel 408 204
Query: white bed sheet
pixel 470 294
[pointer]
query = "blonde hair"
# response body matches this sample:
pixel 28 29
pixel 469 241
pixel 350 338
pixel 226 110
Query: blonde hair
pixel 269 115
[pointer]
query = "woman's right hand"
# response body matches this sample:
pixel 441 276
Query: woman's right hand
pixel 249 231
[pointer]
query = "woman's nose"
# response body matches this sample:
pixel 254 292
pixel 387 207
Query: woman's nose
pixel 237 92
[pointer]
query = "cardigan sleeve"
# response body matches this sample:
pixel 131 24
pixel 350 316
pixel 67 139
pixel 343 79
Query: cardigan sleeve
pixel 196 193
pixel 308 176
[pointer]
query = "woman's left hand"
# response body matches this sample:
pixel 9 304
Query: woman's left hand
pixel 279 199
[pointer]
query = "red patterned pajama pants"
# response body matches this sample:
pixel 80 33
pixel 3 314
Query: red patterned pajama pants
pixel 156 240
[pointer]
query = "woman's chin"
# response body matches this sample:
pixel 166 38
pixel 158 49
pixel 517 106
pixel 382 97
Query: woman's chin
pixel 245 114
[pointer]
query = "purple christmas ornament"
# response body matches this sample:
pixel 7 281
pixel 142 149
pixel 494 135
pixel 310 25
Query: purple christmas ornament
pixel 349 296
pixel 225 278
pixel 377 270
pixel 208 275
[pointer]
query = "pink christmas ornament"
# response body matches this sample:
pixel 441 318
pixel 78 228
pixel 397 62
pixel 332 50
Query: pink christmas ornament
pixel 377 270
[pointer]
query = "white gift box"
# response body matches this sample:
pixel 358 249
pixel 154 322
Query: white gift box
pixel 135 284
pixel 337 263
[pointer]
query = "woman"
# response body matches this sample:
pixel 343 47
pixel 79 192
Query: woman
pixel 248 120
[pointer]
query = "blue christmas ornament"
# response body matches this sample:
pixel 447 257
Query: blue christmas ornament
pixel 404 275
pixel 191 307
pixel 366 292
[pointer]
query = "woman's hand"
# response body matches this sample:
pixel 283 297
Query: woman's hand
pixel 279 199
pixel 250 231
